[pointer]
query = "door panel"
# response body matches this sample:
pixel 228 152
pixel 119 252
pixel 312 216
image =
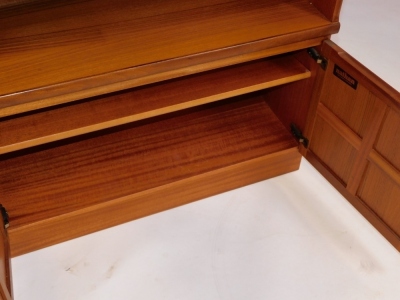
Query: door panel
pixel 353 106
pixel 388 141
pixel 382 195
pixel 340 162
pixel 355 140
pixel 5 266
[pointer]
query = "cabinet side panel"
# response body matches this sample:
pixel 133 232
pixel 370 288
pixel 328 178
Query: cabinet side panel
pixel 291 102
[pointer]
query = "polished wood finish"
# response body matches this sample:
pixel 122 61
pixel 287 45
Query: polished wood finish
pixel 58 123
pixel 339 126
pixel 382 195
pixel 137 76
pixel 349 125
pixel 50 183
pixel 333 149
pixel 359 204
pixel 388 142
pixel 114 110
pixel 386 166
pixel 105 101
pixel 124 209
pixel 93 38
pixel 360 163
pixel 354 107
pixel 290 102
pixel 380 188
pixel 5 264
pixel 369 80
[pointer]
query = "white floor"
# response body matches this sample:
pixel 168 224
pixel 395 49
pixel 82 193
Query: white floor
pixel 291 237
pixel 370 31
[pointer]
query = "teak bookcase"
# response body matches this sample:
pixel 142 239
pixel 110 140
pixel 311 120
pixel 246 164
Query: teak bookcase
pixel 114 110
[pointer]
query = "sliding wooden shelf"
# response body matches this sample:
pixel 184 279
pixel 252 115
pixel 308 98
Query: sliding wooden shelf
pixel 78 186
pixel 54 52
pixel 48 125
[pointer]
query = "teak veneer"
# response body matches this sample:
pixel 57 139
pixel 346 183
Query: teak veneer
pixel 145 157
pixel 148 101
pixel 60 52
pixel 114 110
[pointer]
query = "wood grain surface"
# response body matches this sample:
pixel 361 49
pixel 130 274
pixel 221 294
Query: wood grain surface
pixel 355 107
pixel 48 43
pixel 388 141
pixel 46 183
pixel 359 204
pixel 386 166
pixel 128 106
pixel 369 80
pixel 339 126
pixel 351 125
pixel 291 102
pixel 382 195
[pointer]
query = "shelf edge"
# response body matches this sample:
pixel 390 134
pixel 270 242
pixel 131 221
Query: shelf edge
pixel 29 100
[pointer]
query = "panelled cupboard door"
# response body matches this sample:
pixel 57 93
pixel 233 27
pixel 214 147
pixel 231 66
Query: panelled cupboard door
pixel 354 131
pixel 5 266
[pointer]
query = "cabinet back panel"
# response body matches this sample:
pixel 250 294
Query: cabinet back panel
pixel 291 102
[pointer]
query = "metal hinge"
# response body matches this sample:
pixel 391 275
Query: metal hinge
pixel 298 135
pixel 322 61
pixel 5 217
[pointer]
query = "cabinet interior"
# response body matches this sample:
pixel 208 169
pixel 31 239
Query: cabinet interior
pixel 113 110
pixel 114 158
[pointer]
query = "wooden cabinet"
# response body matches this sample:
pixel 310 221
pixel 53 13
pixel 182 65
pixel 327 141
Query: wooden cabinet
pixel 111 111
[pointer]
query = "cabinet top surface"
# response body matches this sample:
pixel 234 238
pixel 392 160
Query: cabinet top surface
pixel 44 43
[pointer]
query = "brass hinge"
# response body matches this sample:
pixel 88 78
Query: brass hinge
pixel 298 135
pixel 322 61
